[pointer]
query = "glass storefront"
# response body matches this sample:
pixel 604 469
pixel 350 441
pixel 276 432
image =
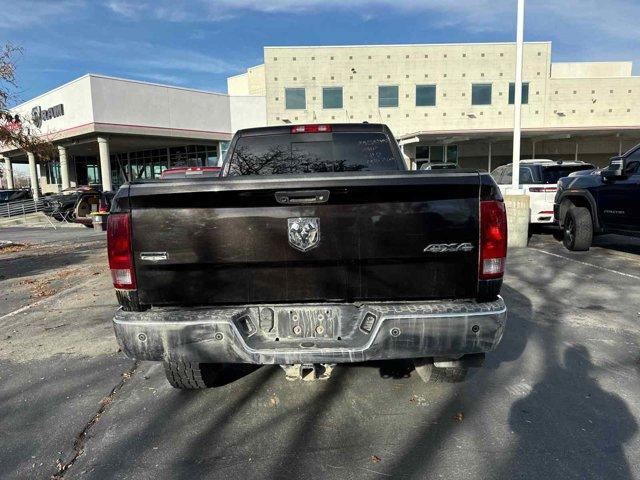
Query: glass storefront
pixel 138 165
pixel 149 164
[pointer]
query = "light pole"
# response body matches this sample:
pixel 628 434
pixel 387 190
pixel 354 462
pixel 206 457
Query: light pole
pixel 517 110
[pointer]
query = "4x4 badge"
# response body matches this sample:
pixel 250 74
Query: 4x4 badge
pixel 448 247
pixel 304 233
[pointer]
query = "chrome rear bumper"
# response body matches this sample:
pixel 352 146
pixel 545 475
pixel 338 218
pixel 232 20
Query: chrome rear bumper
pixel 267 334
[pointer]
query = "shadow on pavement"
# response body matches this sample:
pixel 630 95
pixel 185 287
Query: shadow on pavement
pixel 618 243
pixel 569 406
pixel 567 425
pixel 37 262
pixel 44 404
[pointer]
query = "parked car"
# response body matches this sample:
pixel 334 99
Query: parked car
pixel 608 202
pixel 314 247
pixel 76 204
pixel 539 179
pixel 15 195
pixel 190 172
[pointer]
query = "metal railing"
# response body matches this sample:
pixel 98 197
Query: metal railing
pixel 21 208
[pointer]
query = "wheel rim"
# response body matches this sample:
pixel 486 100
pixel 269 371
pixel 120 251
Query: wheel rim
pixel 569 229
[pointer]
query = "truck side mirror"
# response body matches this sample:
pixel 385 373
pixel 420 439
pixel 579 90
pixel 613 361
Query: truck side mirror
pixel 616 168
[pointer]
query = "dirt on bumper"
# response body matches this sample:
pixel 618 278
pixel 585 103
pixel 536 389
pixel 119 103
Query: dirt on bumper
pixel 321 333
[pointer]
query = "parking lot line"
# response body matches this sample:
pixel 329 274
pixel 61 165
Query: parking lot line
pixel 587 264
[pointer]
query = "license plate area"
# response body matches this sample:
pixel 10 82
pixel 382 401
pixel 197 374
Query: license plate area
pixel 308 322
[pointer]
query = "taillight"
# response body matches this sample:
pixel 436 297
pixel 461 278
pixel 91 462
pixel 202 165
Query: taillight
pixel 119 250
pixel 493 239
pixel 543 189
pixel 311 129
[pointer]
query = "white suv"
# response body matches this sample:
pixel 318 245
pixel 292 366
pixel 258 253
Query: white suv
pixel 539 179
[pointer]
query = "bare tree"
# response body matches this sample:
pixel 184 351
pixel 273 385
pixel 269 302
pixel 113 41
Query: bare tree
pixel 17 131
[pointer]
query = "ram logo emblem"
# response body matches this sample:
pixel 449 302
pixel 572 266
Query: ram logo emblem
pixel 448 247
pixel 304 233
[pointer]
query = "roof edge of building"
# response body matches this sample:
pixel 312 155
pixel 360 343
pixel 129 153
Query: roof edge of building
pixel 155 84
pixel 471 131
pixel 405 45
pixel 120 79
pixel 17 107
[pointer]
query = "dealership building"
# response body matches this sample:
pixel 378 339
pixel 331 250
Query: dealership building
pixel 109 130
pixel 454 102
pixel 443 102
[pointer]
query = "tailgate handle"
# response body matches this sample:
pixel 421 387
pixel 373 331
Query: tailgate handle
pixel 302 197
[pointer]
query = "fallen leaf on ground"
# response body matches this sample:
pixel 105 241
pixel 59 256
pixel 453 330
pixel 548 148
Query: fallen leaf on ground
pixel 14 248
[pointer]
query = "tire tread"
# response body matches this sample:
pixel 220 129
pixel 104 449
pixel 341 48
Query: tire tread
pixel 184 375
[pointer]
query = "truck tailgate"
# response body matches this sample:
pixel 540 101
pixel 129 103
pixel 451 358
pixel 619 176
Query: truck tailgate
pixel 381 237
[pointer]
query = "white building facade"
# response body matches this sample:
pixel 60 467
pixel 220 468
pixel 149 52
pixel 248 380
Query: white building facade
pixel 454 102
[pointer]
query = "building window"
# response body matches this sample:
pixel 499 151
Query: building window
pixel 525 93
pixel 294 99
pixel 425 95
pixel 224 148
pixel 332 97
pixel 93 174
pixel 481 94
pixel 388 96
pixel 194 156
pixel 437 154
pixel 52 172
pixel 452 153
pixel 422 152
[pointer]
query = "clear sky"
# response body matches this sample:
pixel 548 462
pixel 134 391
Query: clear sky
pixel 199 43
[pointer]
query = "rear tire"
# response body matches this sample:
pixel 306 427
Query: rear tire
pixel 190 375
pixel 429 373
pixel 578 229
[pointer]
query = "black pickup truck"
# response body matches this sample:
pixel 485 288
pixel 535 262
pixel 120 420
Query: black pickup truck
pixel 603 202
pixel 314 247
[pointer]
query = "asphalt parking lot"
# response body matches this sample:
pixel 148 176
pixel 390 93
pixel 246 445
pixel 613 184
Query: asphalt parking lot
pixel 558 399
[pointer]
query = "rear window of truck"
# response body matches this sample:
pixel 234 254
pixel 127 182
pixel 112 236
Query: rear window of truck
pixel 312 153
